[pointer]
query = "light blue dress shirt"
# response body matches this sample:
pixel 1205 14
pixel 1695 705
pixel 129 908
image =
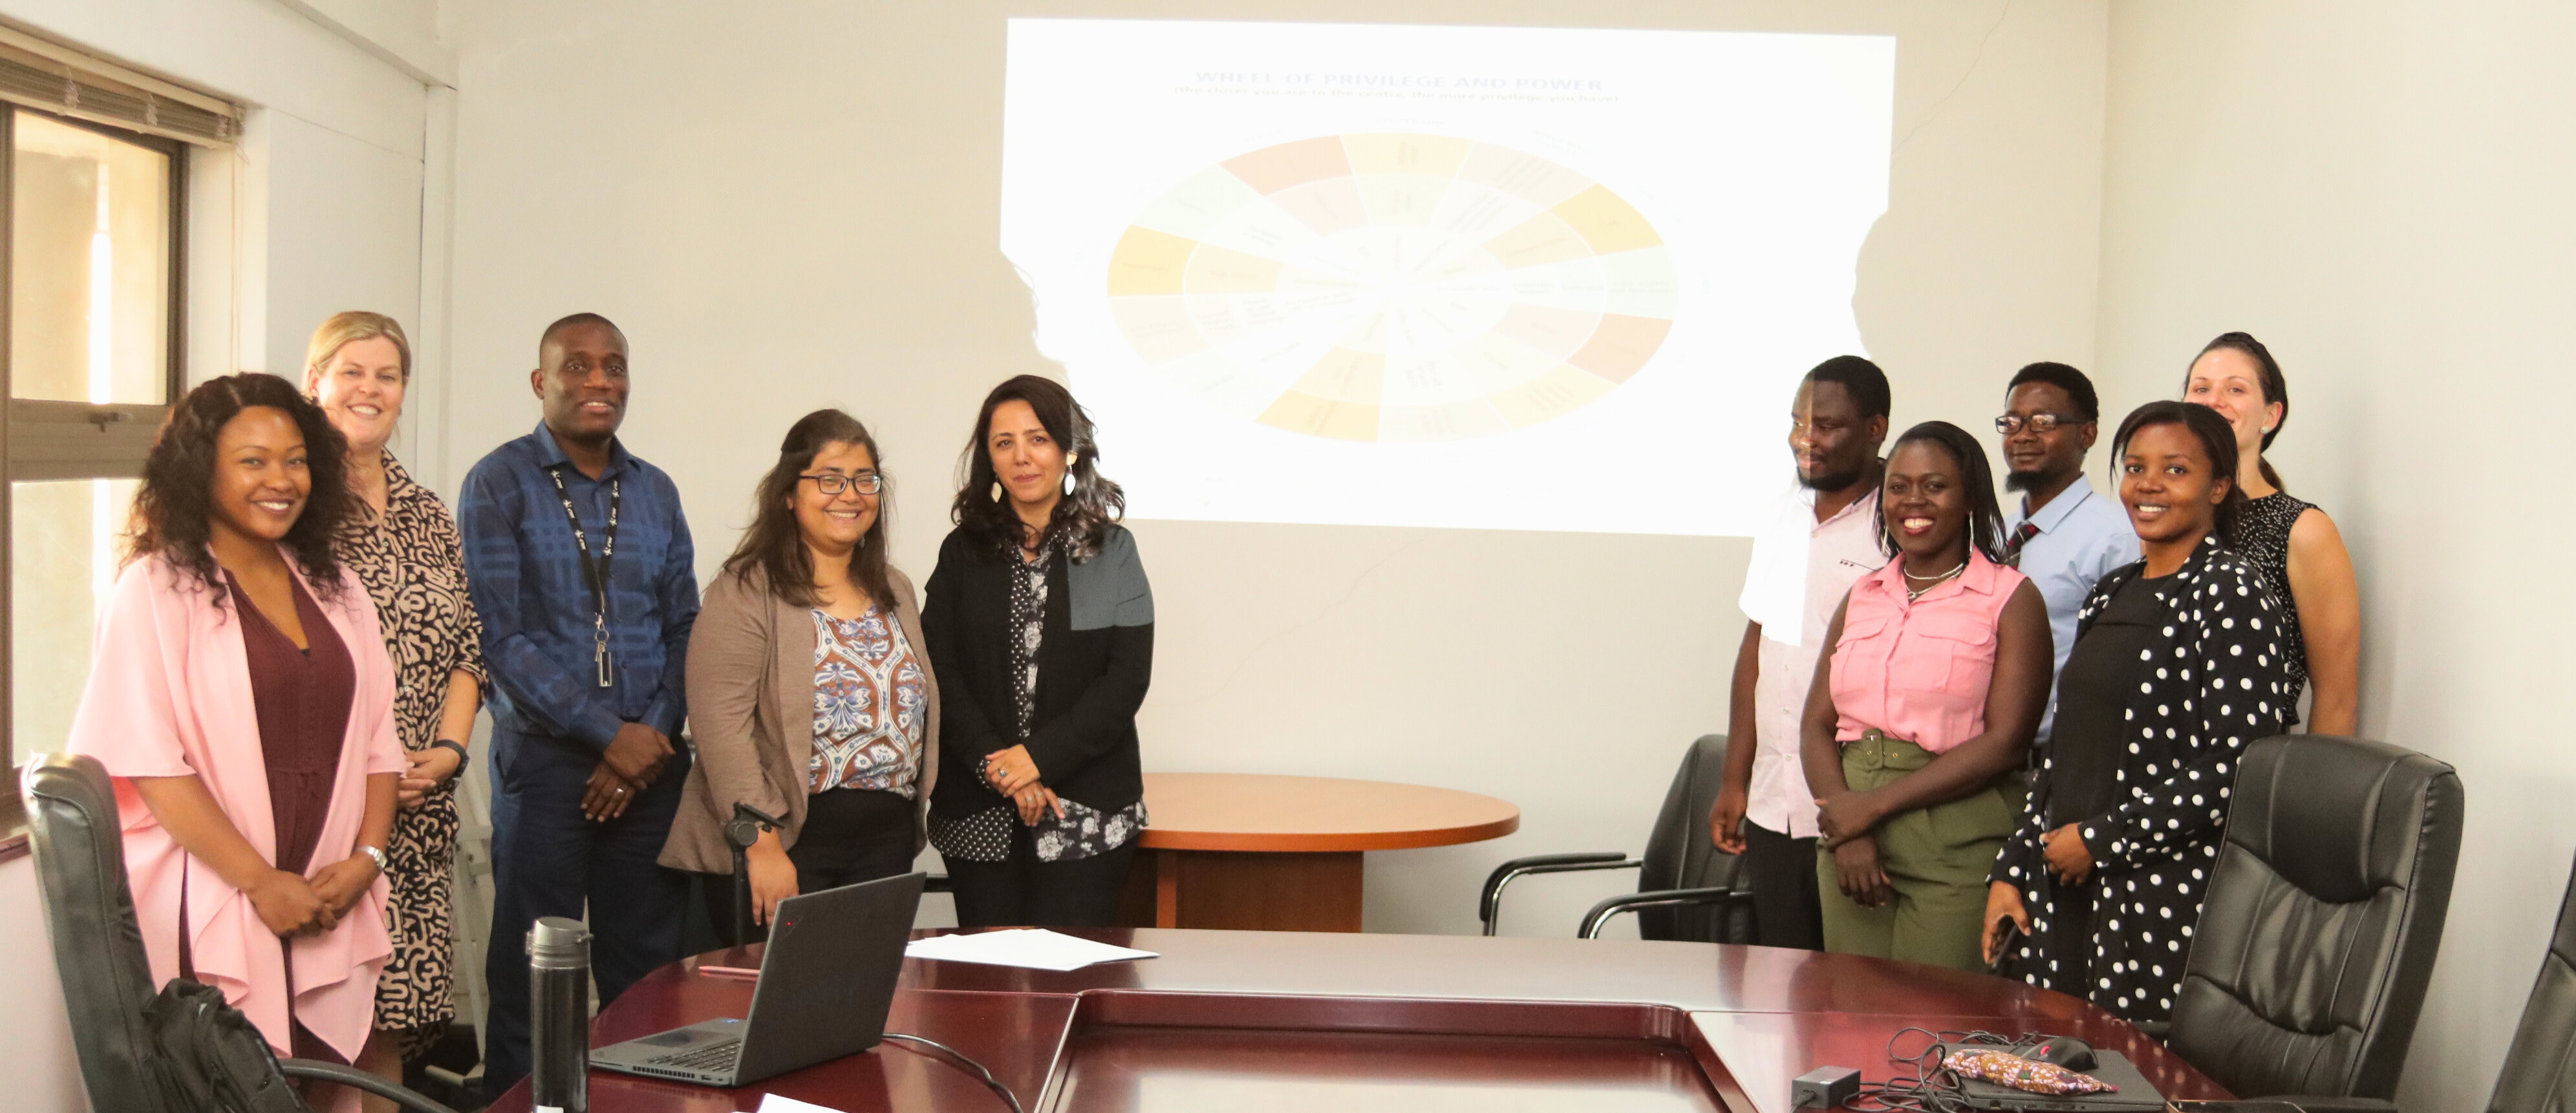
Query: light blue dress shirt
pixel 2083 535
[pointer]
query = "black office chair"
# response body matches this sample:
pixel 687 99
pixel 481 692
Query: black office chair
pixel 1688 885
pixel 2321 922
pixel 98 947
pixel 2540 1065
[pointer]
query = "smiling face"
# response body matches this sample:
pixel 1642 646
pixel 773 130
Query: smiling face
pixel 1831 439
pixel 583 383
pixel 1026 458
pixel 2230 382
pixel 260 483
pixel 1926 502
pixel 834 523
pixel 361 389
pixel 2168 484
pixel 2033 459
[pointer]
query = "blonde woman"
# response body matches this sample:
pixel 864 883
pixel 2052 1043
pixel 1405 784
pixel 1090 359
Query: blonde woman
pixel 402 543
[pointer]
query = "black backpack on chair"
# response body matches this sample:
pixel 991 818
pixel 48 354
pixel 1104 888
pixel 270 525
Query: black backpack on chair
pixel 212 1057
pixel 182 1049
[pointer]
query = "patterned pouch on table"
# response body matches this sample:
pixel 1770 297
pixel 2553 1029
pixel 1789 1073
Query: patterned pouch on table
pixel 2006 1069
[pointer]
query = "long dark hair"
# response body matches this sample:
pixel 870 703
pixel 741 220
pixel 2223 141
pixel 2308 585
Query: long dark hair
pixel 775 546
pixel 1985 515
pixel 2217 438
pixel 2275 389
pixel 1081 518
pixel 174 510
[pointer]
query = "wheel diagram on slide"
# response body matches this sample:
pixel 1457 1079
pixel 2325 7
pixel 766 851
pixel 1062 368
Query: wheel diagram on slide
pixel 1393 287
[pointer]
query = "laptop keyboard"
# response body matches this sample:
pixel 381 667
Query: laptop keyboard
pixel 712 1057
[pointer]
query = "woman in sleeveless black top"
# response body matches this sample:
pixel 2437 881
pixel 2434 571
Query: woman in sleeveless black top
pixel 2293 544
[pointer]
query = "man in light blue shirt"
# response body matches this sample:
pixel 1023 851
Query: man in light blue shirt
pixel 2061 533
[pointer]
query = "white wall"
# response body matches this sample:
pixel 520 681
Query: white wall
pixel 797 205
pixel 318 209
pixel 2378 191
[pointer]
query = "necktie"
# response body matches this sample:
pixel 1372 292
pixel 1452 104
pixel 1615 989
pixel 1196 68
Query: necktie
pixel 2013 544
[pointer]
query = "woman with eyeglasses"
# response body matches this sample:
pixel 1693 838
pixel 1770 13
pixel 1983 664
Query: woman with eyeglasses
pixel 1043 626
pixel 810 693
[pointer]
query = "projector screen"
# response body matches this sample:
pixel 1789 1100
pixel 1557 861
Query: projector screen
pixel 1477 277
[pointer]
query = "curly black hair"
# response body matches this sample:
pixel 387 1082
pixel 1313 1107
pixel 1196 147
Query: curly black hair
pixel 174 510
pixel 1082 518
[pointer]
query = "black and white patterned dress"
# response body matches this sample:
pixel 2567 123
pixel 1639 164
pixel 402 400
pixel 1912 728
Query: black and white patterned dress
pixel 414 567
pixel 2214 679
pixel 2263 536
pixel 1083 831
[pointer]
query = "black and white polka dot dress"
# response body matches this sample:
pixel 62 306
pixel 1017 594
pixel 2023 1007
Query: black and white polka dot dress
pixel 2214 678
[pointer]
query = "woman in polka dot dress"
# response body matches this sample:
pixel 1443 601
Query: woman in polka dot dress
pixel 2177 667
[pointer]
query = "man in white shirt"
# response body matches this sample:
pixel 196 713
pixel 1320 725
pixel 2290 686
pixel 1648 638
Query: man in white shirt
pixel 1824 537
pixel 2061 533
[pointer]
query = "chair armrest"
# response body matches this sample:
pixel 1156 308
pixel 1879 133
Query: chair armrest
pixel 1489 902
pixel 1602 912
pixel 2160 1029
pixel 352 1077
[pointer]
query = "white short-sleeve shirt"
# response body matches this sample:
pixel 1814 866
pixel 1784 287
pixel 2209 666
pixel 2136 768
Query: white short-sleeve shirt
pixel 1800 572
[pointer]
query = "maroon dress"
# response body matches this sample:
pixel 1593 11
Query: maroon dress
pixel 301 698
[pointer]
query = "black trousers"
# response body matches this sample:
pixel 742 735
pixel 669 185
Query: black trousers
pixel 549 861
pixel 850 835
pixel 1025 892
pixel 1781 872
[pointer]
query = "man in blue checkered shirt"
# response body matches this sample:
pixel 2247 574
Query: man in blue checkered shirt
pixel 580 565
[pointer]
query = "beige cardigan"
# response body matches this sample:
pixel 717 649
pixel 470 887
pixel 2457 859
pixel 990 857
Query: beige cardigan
pixel 751 715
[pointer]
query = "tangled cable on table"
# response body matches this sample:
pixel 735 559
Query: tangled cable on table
pixel 1928 1087
pixel 993 1083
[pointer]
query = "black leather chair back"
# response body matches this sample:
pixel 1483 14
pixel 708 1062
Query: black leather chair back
pixel 1678 855
pixel 2319 928
pixel 89 913
pixel 2540 1066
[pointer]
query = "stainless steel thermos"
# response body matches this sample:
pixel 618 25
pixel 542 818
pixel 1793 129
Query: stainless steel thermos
pixel 559 1016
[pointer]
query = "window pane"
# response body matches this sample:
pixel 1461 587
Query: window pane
pixel 66 537
pixel 90 280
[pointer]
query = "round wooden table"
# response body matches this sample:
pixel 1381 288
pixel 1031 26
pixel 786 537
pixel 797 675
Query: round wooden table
pixel 1267 852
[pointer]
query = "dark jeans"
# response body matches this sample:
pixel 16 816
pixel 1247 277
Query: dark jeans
pixel 1781 872
pixel 850 835
pixel 1025 892
pixel 549 861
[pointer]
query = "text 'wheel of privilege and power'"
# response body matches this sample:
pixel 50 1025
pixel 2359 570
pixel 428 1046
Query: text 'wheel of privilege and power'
pixel 1393 287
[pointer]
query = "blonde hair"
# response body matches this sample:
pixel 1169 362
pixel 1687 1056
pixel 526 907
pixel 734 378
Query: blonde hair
pixel 346 328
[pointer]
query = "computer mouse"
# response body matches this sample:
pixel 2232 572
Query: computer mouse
pixel 2065 1051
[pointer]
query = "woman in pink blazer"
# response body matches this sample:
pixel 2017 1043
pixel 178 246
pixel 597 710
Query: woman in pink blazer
pixel 240 694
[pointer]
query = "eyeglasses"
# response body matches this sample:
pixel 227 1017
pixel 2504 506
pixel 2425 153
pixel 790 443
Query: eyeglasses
pixel 2010 424
pixel 833 483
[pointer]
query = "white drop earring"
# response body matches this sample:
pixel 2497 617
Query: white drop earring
pixel 1069 461
pixel 997 490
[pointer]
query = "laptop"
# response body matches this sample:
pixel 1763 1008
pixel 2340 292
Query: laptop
pixel 2133 1096
pixel 826 982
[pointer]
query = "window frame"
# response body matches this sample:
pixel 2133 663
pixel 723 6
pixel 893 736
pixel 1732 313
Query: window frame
pixel 55 440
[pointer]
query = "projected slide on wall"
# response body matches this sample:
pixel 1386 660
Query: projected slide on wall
pixel 1504 278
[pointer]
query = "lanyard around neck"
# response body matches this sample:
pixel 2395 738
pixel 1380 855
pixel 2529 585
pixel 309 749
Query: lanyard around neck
pixel 596 574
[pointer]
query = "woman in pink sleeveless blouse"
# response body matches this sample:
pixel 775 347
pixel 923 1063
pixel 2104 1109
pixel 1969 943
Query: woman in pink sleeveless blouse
pixel 240 695
pixel 1921 715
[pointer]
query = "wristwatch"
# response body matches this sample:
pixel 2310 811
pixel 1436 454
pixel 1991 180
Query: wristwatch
pixel 376 854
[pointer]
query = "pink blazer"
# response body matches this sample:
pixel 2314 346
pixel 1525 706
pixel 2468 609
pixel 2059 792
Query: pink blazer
pixel 169 695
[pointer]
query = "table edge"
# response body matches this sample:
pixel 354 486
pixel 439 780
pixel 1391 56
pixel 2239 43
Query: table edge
pixel 1327 842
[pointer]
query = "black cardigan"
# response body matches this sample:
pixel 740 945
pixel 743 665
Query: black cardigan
pixel 1095 658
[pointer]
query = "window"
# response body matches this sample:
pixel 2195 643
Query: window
pixel 92 361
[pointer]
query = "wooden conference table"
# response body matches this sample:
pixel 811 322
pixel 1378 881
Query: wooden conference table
pixel 1232 1021
pixel 1275 853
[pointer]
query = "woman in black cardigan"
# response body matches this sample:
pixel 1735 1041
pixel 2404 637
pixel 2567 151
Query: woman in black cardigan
pixel 1041 631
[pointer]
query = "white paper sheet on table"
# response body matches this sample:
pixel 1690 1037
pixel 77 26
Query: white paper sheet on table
pixel 772 1103
pixel 1034 948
